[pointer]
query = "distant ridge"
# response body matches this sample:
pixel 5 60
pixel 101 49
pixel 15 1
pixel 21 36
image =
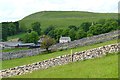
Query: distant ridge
pixel 63 19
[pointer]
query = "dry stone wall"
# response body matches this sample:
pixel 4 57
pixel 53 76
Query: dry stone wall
pixel 60 46
pixel 61 60
pixel 22 53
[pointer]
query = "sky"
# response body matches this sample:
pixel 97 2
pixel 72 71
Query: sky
pixel 14 10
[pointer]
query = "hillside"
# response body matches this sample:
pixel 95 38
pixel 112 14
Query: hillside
pixel 105 67
pixel 63 19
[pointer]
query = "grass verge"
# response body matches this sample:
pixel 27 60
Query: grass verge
pixel 104 67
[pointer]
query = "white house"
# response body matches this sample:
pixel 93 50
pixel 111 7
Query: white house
pixel 64 39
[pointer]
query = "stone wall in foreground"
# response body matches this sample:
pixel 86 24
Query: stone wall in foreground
pixel 61 60
pixel 60 46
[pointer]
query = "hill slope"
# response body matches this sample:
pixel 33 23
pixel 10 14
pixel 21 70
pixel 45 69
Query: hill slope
pixel 105 67
pixel 63 19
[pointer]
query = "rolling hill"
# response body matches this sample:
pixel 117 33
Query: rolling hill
pixel 62 19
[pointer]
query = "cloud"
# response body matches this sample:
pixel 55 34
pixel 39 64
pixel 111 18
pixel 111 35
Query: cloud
pixel 12 10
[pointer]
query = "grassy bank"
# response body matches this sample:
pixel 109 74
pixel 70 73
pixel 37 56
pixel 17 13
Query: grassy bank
pixel 105 67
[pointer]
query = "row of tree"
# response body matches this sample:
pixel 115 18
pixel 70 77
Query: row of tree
pixel 86 29
pixel 75 32
pixel 32 35
pixel 9 29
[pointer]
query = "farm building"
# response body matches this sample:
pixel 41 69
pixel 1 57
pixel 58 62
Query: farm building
pixel 64 39
pixel 25 44
pixel 5 45
pixel 9 44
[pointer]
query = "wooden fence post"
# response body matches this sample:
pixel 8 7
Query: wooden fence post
pixel 71 56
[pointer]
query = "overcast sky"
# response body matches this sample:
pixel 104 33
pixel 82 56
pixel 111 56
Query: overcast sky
pixel 13 10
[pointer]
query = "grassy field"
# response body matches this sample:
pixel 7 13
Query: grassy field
pixel 62 19
pixel 16 36
pixel 105 67
pixel 28 60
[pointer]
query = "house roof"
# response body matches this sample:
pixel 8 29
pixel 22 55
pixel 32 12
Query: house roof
pixel 10 43
pixel 13 44
pixel 26 44
pixel 65 38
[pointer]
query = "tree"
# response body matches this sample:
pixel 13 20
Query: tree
pixel 31 37
pixel 110 25
pixel 48 29
pixel 29 30
pixel 36 27
pixel 72 34
pixel 114 24
pixel 17 26
pixel 11 29
pixel 51 33
pixel 80 34
pixel 4 31
pixel 65 32
pixel 47 42
pixel 96 29
pixel 58 34
pixel 85 26
pixel 118 21
pixel 89 34
pixel 72 27
pixel 34 37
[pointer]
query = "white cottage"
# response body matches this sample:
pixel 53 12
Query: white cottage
pixel 64 39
